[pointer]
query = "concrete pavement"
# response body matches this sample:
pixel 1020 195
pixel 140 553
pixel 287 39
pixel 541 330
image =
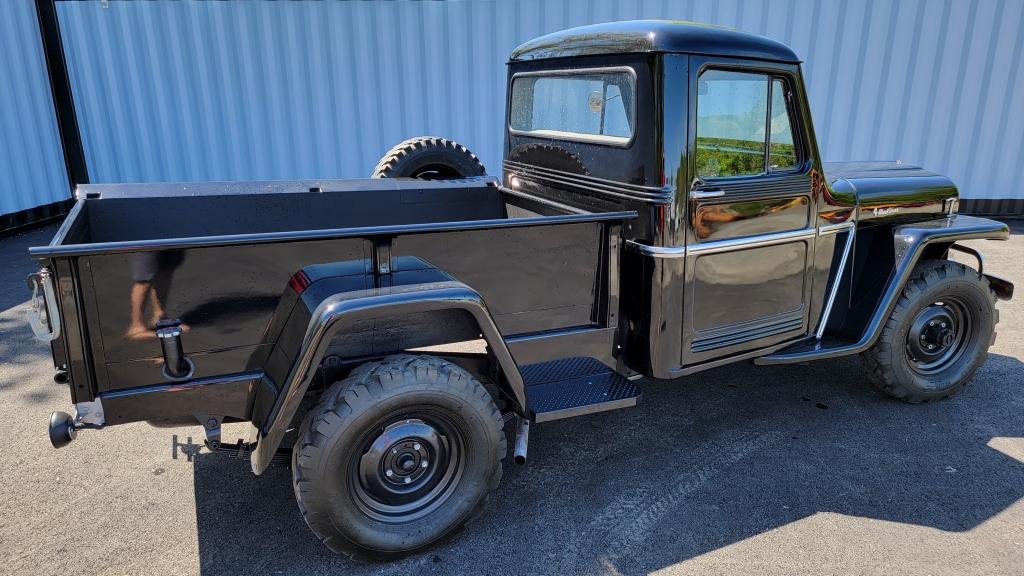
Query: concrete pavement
pixel 742 470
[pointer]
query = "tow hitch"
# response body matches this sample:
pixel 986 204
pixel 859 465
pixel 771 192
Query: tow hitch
pixel 64 427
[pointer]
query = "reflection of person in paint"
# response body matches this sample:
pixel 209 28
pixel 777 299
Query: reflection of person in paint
pixel 151 280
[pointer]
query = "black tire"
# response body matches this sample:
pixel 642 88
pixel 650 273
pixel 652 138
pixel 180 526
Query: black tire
pixel 424 419
pixel 429 158
pixel 937 336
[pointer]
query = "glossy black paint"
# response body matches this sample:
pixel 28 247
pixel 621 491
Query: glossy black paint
pixel 910 242
pixel 233 296
pixel 613 252
pixel 642 36
pixel 890 191
pixel 712 280
pixel 334 314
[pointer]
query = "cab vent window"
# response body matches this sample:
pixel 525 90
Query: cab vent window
pixel 734 135
pixel 592 106
pixel 781 152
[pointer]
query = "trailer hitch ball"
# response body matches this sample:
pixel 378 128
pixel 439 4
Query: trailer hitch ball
pixel 176 365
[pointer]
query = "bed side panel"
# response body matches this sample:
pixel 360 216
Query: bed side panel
pixel 533 278
pixel 225 297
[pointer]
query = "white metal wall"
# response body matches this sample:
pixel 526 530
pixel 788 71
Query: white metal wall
pixel 263 90
pixel 32 169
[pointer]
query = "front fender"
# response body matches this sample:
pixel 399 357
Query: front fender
pixel 909 243
pixel 336 312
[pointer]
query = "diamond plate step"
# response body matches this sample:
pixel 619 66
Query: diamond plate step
pixel 574 387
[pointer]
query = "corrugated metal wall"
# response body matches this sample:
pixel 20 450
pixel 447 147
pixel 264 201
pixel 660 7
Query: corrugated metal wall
pixel 32 169
pixel 261 90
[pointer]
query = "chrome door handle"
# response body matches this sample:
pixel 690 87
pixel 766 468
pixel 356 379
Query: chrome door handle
pixel 706 193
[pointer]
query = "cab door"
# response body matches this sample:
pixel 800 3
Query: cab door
pixel 749 230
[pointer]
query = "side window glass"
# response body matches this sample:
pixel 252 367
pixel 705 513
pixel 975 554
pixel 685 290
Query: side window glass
pixel 732 109
pixel 781 151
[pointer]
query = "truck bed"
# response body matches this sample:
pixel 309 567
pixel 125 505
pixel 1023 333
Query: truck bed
pixel 219 256
pixel 148 214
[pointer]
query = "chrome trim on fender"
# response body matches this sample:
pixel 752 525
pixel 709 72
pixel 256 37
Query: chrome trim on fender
pixel 827 229
pixel 835 283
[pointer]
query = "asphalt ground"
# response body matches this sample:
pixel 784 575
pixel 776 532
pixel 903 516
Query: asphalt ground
pixel 800 469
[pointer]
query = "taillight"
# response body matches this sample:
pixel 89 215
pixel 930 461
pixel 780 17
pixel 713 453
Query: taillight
pixel 299 282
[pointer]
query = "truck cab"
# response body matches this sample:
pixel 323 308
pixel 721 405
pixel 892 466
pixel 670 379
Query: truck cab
pixel 745 241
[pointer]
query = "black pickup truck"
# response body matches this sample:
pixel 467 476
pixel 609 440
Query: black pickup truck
pixel 662 210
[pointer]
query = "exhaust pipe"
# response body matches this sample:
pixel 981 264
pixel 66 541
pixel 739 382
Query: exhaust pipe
pixel 522 439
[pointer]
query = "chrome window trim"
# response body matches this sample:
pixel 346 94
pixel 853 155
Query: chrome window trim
pixel 581 137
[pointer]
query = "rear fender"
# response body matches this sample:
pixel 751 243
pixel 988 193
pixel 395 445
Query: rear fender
pixel 294 362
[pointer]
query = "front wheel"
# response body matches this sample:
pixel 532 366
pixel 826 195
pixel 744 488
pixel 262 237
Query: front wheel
pixel 398 455
pixel 937 336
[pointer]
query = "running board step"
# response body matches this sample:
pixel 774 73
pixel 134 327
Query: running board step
pixel 574 387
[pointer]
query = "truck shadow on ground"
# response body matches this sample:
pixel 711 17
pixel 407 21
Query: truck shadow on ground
pixel 701 463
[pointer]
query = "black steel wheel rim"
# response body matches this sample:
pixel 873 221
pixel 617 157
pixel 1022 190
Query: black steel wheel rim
pixel 409 466
pixel 939 335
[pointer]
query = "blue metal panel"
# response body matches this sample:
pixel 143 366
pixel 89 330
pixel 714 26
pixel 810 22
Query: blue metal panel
pixel 32 171
pixel 216 91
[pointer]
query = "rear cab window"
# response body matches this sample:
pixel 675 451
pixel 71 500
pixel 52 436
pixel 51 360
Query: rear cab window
pixel 596 106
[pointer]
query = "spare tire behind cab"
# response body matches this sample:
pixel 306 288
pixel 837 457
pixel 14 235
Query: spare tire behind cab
pixel 429 158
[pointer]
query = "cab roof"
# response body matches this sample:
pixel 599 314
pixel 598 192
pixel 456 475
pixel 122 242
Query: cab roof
pixel 633 36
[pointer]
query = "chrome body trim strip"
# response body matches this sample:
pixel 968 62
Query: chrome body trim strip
pixel 739 243
pixel 639 193
pixel 720 245
pixel 826 229
pixel 656 251
pixel 835 284
pixel 751 241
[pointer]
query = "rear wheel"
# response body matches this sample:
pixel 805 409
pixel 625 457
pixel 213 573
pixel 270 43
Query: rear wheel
pixel 398 455
pixel 937 336
pixel 429 158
